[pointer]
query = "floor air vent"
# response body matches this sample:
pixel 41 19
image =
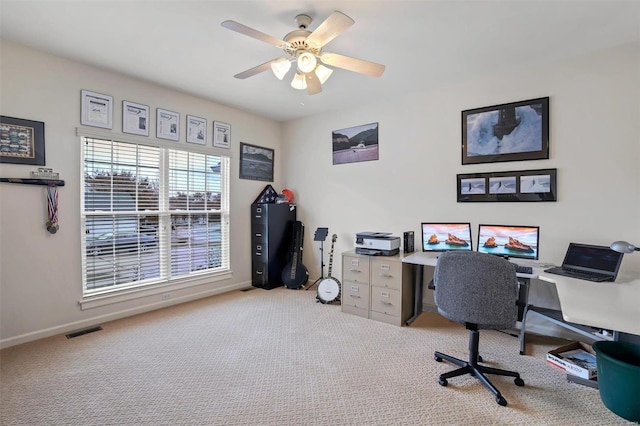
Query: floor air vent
pixel 83 332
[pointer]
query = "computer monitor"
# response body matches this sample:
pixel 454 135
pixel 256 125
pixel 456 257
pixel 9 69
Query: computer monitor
pixel 446 236
pixel 509 241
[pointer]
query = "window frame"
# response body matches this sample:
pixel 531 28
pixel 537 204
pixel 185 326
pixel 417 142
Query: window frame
pixel 165 282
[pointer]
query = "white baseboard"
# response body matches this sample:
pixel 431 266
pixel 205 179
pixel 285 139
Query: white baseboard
pixel 93 321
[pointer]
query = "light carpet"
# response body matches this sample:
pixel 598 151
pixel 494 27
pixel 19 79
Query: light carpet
pixel 277 357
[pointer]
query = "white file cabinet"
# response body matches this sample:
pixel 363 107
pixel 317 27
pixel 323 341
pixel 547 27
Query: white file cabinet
pixel 355 284
pixel 377 287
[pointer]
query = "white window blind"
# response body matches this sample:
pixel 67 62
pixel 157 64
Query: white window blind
pixel 151 215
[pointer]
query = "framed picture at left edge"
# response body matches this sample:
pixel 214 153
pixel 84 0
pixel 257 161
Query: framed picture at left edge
pixel 97 110
pixel 21 141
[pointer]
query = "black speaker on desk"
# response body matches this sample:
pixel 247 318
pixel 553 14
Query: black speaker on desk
pixel 409 242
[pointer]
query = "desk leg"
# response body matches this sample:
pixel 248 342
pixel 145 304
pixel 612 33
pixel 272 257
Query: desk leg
pixel 418 278
pixel 523 300
pixel 522 327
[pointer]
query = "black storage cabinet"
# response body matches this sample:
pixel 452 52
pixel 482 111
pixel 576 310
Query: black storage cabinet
pixel 271 241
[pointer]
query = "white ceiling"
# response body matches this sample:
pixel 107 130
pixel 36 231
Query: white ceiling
pixel 424 44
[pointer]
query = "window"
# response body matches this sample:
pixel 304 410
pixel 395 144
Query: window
pixel 151 215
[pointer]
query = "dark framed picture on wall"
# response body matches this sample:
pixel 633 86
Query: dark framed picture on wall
pixel 508 132
pixel 256 162
pixel 522 185
pixel 22 141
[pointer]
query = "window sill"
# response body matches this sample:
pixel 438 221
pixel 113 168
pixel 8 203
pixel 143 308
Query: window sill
pixel 104 299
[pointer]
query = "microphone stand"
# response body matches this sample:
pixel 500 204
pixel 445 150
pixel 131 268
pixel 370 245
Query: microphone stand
pixel 320 235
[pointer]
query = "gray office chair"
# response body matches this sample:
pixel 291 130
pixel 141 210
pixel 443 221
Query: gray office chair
pixel 480 291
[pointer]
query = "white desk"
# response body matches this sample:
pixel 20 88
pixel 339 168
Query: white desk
pixel 609 305
pixel 421 259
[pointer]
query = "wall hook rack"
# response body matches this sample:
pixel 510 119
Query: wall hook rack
pixel 45 182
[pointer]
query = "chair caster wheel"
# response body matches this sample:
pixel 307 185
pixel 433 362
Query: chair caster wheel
pixel 437 358
pixel 443 382
pixel 518 381
pixel 521 352
pixel 479 358
pixel 501 401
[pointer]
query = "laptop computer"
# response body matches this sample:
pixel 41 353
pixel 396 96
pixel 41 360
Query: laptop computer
pixel 589 262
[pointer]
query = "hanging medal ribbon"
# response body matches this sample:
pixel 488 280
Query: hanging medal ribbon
pixel 52 208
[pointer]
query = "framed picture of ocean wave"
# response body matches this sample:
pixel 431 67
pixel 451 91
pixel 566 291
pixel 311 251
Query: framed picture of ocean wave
pixel 523 185
pixel 508 132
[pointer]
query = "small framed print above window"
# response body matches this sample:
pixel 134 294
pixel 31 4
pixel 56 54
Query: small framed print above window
pixel 97 110
pixel 135 118
pixel 167 125
pixel 196 130
pixel 221 135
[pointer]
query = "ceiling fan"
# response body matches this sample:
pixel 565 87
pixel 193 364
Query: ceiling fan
pixel 304 47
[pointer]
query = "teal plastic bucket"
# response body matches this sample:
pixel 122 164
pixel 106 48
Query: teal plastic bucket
pixel 618 366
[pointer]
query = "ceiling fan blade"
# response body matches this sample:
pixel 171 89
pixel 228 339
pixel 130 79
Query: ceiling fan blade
pixel 332 27
pixel 259 35
pixel 353 64
pixel 313 83
pixel 256 70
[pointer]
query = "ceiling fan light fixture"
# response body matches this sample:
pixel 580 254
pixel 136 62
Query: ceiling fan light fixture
pixel 323 73
pixel 280 68
pixel 299 82
pixel 307 62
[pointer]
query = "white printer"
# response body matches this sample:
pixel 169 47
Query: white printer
pixel 377 244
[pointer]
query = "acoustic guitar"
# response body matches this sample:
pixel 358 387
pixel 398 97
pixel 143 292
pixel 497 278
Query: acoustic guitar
pixel 295 274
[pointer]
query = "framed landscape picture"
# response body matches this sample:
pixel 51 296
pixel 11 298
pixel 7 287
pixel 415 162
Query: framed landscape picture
pixel 354 144
pixel 256 162
pixel 507 132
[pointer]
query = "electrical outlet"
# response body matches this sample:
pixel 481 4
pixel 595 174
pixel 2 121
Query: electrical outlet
pixel 166 296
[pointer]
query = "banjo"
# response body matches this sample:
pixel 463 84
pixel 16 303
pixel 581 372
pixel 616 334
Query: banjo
pixel 329 288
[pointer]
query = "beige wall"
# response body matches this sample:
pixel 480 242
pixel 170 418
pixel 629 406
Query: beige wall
pixel 595 145
pixel 40 273
pixel 594 140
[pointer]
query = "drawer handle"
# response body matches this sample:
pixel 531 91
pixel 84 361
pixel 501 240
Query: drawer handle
pixel 258 272
pixel 258 254
pixel 383 275
pixel 355 295
pixel 355 270
pixel 258 235
pixel 387 303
